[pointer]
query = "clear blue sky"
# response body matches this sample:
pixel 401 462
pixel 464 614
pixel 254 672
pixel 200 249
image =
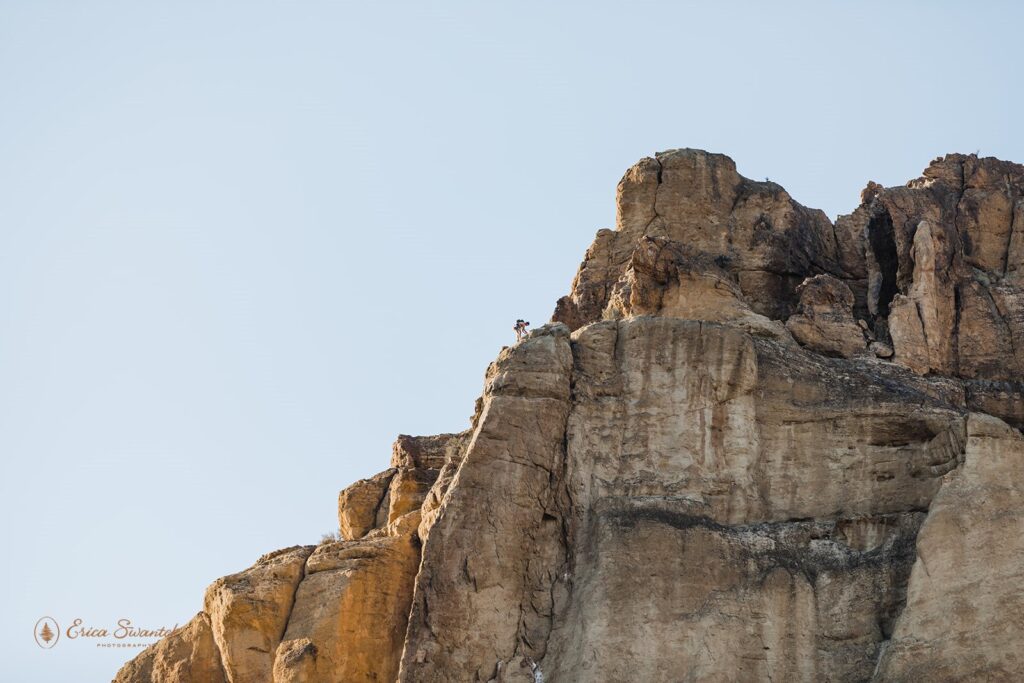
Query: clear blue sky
pixel 245 244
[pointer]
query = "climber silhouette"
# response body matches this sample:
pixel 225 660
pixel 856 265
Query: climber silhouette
pixel 520 329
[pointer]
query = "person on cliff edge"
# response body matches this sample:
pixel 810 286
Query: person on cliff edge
pixel 520 329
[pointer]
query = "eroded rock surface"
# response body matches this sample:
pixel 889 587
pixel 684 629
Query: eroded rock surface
pixel 753 445
pixel 364 505
pixel 481 602
pixel 190 655
pixel 350 611
pixel 753 230
pixel 824 320
pixel 965 605
pixel 249 611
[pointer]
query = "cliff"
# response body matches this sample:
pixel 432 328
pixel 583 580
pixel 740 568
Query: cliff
pixel 752 445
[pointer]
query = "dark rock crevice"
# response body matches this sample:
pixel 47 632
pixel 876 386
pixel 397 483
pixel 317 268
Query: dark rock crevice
pixel 882 243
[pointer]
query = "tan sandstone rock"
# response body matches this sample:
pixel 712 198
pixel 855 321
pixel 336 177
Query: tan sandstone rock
pixel 364 505
pixel 189 655
pixel 249 611
pixel 480 600
pixel 766 240
pixel 692 447
pixel 922 320
pixel 665 278
pixel 965 603
pixel 824 320
pixel 409 488
pixel 753 446
pixel 425 452
pixel 349 618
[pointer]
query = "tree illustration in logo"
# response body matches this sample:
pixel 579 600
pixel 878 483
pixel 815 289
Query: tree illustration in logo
pixel 46 633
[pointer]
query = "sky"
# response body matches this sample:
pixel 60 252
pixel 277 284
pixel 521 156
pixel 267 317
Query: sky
pixel 243 245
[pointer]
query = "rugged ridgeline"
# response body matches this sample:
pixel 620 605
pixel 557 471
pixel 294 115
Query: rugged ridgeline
pixel 753 445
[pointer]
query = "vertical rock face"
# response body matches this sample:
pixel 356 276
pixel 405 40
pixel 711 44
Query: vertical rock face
pixel 249 611
pixel 350 610
pixel 965 602
pixel 753 445
pixel 736 516
pixel 483 605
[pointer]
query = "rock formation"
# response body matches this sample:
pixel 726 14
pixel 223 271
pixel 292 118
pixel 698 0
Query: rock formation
pixel 752 445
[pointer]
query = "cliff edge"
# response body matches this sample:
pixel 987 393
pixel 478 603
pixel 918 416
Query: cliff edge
pixel 752 445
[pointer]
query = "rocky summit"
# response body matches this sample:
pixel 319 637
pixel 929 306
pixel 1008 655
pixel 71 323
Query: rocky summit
pixel 751 445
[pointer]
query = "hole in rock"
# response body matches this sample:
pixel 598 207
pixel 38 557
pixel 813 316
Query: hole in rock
pixel 883 246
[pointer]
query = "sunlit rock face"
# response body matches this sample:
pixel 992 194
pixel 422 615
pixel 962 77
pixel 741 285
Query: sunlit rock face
pixel 752 445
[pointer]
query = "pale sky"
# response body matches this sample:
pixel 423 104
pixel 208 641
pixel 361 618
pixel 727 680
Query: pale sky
pixel 243 245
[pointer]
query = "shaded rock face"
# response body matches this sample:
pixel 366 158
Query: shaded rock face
pixel 934 267
pixel 941 275
pixel 965 606
pixel 752 445
pixel 824 321
pixel 753 230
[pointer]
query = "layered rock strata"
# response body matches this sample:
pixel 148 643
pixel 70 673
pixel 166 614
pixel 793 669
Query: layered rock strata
pixel 752 445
